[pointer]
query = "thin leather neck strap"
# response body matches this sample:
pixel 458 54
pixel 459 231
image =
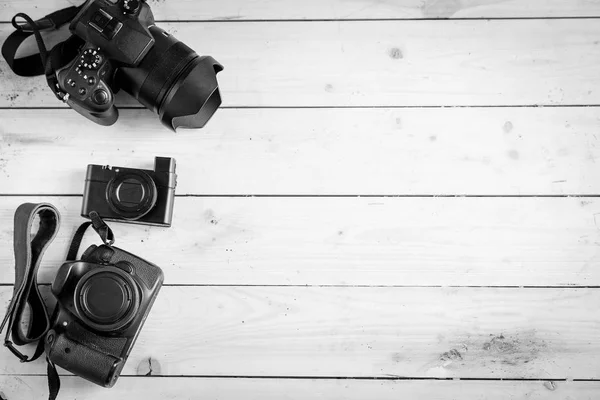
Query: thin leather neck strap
pixel 29 247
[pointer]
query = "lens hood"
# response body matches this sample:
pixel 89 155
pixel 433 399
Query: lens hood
pixel 194 97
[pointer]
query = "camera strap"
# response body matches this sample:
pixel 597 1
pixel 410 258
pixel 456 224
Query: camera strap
pixel 28 256
pixel 106 234
pixel 45 62
pixel 29 248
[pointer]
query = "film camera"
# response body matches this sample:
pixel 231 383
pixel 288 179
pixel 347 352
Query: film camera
pixel 103 301
pixel 124 49
pixel 135 195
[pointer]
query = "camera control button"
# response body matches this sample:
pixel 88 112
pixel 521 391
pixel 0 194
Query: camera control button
pixel 91 81
pixel 71 82
pixel 82 91
pixel 125 266
pixel 100 96
pixel 131 6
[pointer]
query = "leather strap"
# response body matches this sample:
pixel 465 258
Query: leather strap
pixel 28 255
pixel 103 230
pixel 43 63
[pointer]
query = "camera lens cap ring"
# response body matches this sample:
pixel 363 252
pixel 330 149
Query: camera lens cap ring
pixel 106 299
pixel 131 194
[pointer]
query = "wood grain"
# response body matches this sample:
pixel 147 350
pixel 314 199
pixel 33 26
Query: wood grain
pixel 384 63
pixel 321 297
pixel 33 388
pixel 334 9
pixel 364 332
pixel 351 241
pixel 480 151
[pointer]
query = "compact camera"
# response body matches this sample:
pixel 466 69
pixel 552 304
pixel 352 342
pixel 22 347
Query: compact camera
pixel 103 301
pixel 124 49
pixel 132 195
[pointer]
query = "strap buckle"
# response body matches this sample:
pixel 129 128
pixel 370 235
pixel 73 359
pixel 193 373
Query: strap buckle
pixel 62 96
pixel 55 87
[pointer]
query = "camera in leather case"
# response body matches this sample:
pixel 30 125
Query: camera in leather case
pixel 134 195
pixel 103 301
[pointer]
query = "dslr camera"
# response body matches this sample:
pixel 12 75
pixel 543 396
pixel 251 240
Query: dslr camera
pixel 132 195
pixel 103 301
pixel 124 49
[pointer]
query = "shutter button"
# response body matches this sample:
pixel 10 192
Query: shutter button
pixel 100 96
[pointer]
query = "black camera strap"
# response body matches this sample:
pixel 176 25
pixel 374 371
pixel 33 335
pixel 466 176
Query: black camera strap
pixel 45 62
pixel 106 234
pixel 29 248
pixel 28 256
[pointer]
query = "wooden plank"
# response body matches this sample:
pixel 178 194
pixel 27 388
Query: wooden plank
pixel 388 63
pixel 334 9
pixel 471 151
pixel 352 241
pixel 34 387
pixel 364 332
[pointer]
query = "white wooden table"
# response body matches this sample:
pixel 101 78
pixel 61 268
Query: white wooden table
pixel 388 205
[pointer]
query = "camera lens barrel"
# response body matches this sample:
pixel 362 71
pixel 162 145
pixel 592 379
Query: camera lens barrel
pixel 149 81
pixel 106 299
pixel 174 82
pixel 131 194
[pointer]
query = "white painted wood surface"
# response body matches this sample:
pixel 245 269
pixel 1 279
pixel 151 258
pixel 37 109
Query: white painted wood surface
pixel 31 388
pixel 310 290
pixel 364 332
pixel 353 241
pixel 234 10
pixel 449 151
pixel 383 63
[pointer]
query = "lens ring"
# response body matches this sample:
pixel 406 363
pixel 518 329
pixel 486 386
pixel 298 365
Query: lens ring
pixel 96 303
pixel 133 208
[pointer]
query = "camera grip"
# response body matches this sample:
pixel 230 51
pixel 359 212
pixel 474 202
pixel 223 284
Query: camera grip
pixel 86 80
pixel 105 118
pixel 100 368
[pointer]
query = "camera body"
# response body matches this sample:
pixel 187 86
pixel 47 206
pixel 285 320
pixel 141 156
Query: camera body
pixel 103 302
pixel 124 49
pixel 120 28
pixel 132 195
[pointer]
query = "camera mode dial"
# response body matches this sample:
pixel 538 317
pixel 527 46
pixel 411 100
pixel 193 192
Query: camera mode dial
pixel 90 59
